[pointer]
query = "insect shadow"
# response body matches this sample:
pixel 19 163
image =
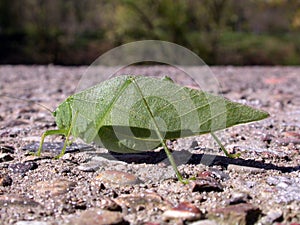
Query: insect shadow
pixel 159 156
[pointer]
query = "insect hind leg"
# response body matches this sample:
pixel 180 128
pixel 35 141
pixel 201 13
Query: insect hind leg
pixel 48 133
pixel 233 156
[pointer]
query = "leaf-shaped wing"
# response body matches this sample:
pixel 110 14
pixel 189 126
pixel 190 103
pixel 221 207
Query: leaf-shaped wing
pixel 131 113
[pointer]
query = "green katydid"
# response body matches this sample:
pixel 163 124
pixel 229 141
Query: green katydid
pixel 136 113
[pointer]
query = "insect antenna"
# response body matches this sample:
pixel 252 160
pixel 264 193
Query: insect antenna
pixel 27 100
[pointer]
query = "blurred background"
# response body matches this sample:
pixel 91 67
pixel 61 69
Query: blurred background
pixel 221 32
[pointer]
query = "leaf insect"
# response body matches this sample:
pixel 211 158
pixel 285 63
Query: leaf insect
pixel 137 113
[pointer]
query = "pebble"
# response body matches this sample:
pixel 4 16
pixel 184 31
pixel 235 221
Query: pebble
pixel 287 188
pixel 184 211
pixel 23 167
pixel 204 222
pixel 242 214
pixel 155 173
pixel 31 223
pixel 7 149
pixel 54 187
pixel 205 184
pixel 250 184
pixel 247 169
pixel 238 198
pixel 5 157
pixel 29 158
pixel 97 162
pixel 271 217
pixel 194 145
pixel 98 217
pixel 15 200
pixel 56 147
pixel 219 174
pixel 117 177
pixel 109 204
pixel 275 180
pixel 91 166
pixel 5 180
pixel 147 201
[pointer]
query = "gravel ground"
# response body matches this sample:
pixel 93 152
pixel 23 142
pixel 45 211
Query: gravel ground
pixel 88 185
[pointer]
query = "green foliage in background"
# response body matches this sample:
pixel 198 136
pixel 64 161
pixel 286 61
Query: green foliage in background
pixel 264 32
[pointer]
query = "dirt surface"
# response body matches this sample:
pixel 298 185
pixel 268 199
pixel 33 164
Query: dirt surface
pixel 88 185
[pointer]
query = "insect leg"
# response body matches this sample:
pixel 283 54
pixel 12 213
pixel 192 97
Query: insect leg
pixel 223 148
pixel 162 141
pixel 67 134
pixel 48 133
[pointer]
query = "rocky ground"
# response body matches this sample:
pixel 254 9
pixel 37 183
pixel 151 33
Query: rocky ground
pixel 88 185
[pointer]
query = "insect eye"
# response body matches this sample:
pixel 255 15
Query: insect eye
pixel 54 113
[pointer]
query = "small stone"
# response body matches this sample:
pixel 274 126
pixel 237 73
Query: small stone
pixel 56 147
pixel 206 184
pixel 268 138
pixel 91 166
pixel 204 222
pixel 238 198
pixel 30 157
pixel 242 214
pixel 54 187
pixel 117 177
pixel 5 157
pixel 219 174
pixel 292 134
pixel 7 149
pixel 282 185
pixel 5 180
pixel 250 184
pixel 247 169
pixel 23 167
pixel 194 144
pixel 31 223
pixel 98 217
pixel 143 201
pixel 272 180
pixel 287 188
pixel 15 200
pixel 109 204
pixel 184 211
pixel 271 217
pixel 205 174
pixel 151 223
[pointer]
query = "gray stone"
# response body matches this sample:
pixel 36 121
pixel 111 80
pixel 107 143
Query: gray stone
pixel 5 157
pixel 7 149
pixel 245 169
pixel 184 211
pixel 5 180
pixel 219 174
pixel 23 167
pixel 205 184
pixel 287 188
pixel 117 177
pixel 238 198
pixel 15 200
pixel 31 223
pixel 242 214
pixel 54 187
pixel 271 217
pixel 147 201
pixel 97 162
pixel 204 222
pixel 90 166
pixel 98 217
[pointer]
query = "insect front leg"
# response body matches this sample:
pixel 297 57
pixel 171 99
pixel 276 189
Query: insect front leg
pixel 48 133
